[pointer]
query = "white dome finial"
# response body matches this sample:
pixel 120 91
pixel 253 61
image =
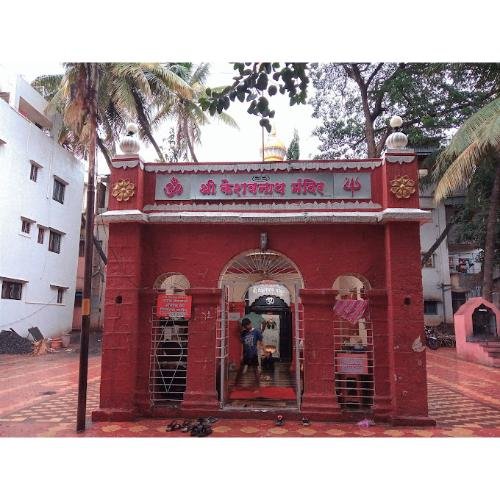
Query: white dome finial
pixel 397 140
pixel 129 143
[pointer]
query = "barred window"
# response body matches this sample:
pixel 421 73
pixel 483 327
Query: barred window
pixel 54 242
pixel 25 226
pixel 41 235
pixel 11 290
pixel 34 172
pixel 430 307
pixel 58 193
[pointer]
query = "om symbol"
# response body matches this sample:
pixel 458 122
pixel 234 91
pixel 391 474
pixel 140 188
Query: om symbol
pixel 173 188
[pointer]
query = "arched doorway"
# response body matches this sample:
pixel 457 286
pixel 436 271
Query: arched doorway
pixel 262 285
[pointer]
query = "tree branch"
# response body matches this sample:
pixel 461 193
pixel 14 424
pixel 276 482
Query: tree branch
pixel 375 71
pixel 105 152
pixel 377 109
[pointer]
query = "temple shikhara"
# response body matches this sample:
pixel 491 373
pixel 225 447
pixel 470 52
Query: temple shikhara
pixel 322 256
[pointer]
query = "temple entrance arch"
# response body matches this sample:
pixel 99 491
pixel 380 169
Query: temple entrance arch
pixel 256 266
pixel 264 286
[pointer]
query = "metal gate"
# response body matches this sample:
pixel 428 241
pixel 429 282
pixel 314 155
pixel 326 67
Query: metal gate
pixel 299 346
pixel 169 356
pixel 354 362
pixel 222 346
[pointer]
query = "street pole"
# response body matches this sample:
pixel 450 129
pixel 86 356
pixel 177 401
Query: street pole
pixel 89 245
pixel 262 143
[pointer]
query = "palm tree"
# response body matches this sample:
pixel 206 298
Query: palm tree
pixel 126 91
pixel 475 142
pixel 186 111
pixel 92 96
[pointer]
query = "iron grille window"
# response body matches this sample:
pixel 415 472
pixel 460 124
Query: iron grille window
pixel 169 356
pixel 34 172
pixel 11 290
pixel 41 235
pixel 60 295
pixel 54 242
pixel 26 226
pixel 430 307
pixel 354 361
pixel 58 193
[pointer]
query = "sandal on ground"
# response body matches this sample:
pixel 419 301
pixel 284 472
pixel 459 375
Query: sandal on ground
pixel 186 426
pixel 172 426
pixel 205 430
pixel 306 421
pixel 280 421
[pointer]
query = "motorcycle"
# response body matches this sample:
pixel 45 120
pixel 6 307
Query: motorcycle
pixel 431 339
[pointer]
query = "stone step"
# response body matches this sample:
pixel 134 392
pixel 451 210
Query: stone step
pixel 492 349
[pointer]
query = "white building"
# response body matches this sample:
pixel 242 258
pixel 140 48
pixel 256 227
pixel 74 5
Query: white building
pixel 40 214
pixel 436 273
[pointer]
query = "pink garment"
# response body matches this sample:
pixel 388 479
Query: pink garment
pixel 350 310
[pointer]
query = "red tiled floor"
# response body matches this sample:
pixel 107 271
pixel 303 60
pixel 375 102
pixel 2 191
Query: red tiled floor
pixel 464 398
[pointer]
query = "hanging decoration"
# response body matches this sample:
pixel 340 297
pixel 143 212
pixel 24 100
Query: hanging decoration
pixel 350 310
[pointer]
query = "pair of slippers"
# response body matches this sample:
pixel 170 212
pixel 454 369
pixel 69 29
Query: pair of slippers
pixel 200 427
pixel 280 421
pixel 176 425
pixel 201 430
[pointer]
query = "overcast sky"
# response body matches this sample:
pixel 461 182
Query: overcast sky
pixel 221 142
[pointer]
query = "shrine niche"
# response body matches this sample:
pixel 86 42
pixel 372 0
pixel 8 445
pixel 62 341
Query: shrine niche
pixel 477 332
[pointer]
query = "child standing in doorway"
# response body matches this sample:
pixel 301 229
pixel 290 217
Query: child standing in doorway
pixel 251 338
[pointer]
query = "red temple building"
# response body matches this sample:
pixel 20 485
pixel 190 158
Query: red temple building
pixel 323 256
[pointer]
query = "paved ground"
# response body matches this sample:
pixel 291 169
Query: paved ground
pixel 38 398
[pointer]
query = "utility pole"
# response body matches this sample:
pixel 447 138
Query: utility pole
pixel 91 98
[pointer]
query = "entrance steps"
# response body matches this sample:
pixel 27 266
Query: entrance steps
pixel 492 348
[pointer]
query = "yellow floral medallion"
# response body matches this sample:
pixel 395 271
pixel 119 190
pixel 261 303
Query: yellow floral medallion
pixel 123 190
pixel 403 187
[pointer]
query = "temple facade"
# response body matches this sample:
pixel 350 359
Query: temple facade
pixel 322 256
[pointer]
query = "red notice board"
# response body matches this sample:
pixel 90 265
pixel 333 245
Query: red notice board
pixel 173 306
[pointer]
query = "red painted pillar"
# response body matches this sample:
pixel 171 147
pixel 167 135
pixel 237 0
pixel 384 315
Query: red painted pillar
pixel 319 400
pixel 142 396
pixel 121 323
pixel 201 391
pixel 383 368
pixel 406 323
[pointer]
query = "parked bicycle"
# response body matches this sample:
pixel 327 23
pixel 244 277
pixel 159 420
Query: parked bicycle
pixel 440 336
pixel 431 339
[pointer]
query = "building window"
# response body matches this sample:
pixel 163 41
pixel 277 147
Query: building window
pixel 58 193
pixel 11 290
pixel 26 226
pixel 81 248
pixel 54 242
pixel 78 299
pixel 431 261
pixel 34 172
pixel 430 307
pixel 60 295
pixel 41 235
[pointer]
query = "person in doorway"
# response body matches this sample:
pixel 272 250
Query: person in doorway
pixel 251 338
